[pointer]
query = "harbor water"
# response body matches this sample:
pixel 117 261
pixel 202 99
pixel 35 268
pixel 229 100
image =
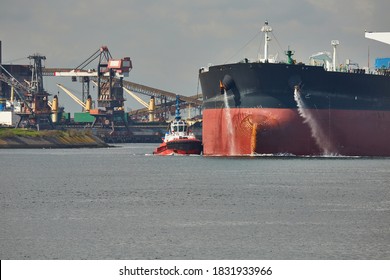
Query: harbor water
pixel 124 203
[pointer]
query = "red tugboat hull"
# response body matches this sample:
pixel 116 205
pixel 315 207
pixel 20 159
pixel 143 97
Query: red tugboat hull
pixel 179 140
pixel 179 147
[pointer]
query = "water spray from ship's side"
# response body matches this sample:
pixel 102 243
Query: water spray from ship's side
pixel 229 123
pixel 322 139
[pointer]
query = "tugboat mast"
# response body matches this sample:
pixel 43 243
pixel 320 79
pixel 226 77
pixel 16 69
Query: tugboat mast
pixel 177 112
pixel 266 29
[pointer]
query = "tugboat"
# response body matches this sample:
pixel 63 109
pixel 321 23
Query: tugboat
pixel 179 140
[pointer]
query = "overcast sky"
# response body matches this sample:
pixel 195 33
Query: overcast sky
pixel 168 41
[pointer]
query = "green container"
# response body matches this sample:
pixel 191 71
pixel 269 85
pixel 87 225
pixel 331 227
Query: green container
pixel 83 117
pixel 64 116
pixel 119 116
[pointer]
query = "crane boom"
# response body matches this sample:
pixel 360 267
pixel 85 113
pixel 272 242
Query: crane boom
pixel 82 73
pixel 136 98
pixel 16 85
pixel 71 95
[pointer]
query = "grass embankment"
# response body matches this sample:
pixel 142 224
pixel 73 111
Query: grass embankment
pixel 23 132
pixel 28 138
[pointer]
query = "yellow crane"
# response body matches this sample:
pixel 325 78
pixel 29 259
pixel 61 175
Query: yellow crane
pixel 151 106
pixel 87 105
pixel 132 94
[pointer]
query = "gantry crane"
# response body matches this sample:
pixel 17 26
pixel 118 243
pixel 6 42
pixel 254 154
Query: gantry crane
pixel 167 99
pixel 109 78
pixel 109 75
pixel 151 105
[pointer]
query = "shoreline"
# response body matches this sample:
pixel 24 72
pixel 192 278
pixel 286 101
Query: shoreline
pixel 55 139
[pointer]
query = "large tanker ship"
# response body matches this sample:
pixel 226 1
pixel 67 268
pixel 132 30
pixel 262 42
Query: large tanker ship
pixel 269 107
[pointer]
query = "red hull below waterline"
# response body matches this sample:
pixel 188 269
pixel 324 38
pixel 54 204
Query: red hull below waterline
pixel 251 131
pixel 179 147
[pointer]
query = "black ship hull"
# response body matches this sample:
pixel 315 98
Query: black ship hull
pixel 296 109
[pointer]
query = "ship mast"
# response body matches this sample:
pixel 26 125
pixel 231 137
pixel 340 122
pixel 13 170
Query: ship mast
pixel 266 29
pixel 334 43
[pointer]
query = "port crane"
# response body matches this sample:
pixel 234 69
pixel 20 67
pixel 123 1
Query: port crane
pixel 86 75
pixel 35 109
pixel 109 78
pixel 151 106
pixel 15 85
pixel 142 89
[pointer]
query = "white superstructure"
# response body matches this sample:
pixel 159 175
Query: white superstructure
pixel 383 37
